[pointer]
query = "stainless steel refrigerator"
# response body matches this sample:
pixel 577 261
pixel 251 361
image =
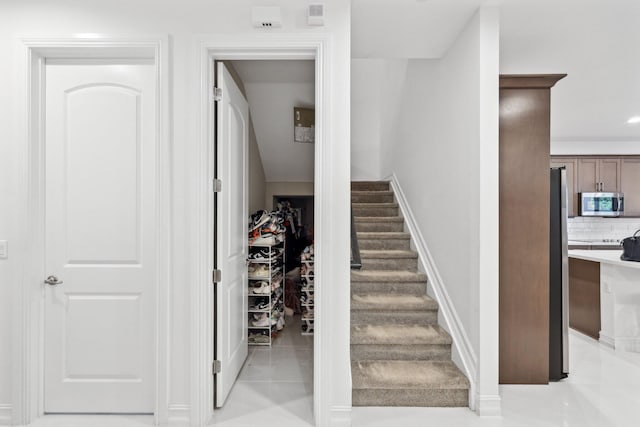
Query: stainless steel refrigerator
pixel 558 278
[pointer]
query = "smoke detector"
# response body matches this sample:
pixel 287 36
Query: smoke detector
pixel 315 14
pixel 266 17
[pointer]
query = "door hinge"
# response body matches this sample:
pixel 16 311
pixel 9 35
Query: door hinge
pixel 217 94
pixel 216 368
pixel 217 185
pixel 217 276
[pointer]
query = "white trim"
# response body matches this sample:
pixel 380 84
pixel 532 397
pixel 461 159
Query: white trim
pixel 251 46
pixel 489 406
pixel 179 415
pixel 604 339
pixel 461 348
pixel 27 388
pixel 340 416
pixel 5 414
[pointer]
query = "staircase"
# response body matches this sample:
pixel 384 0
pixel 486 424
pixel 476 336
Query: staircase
pixel 399 354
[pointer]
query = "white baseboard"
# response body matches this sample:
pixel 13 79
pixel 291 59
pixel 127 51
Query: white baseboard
pixel 607 340
pixel 462 351
pixel 340 416
pixel 489 405
pixel 179 415
pixel 5 414
pixel 631 344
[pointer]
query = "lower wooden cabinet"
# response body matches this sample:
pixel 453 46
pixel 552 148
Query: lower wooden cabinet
pixel 584 296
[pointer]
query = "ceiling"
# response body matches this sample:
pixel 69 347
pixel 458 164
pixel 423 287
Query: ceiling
pixel 407 28
pixel 596 42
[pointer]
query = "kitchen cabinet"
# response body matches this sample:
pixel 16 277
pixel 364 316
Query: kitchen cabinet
pixel 584 296
pixel 571 165
pixel 630 185
pixel 598 175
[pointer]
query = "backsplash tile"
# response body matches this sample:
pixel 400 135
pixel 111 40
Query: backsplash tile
pixel 585 228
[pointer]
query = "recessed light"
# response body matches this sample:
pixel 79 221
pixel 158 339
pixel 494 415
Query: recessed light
pixel 633 120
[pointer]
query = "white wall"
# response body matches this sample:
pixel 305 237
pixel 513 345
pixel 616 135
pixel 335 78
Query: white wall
pixel 376 91
pixel 286 189
pixel 271 106
pixel 445 154
pixel 185 23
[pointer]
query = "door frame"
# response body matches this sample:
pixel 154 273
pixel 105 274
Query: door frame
pixel 284 46
pixel 28 302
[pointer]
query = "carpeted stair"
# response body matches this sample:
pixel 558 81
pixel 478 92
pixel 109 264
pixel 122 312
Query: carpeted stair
pixel 400 356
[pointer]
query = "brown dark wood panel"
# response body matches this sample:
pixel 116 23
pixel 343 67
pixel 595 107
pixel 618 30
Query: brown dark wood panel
pixel 584 296
pixel 524 228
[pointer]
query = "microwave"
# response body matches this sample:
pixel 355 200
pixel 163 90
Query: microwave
pixel 601 204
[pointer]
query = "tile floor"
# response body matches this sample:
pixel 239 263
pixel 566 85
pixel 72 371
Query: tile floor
pixel 275 386
pixel 275 389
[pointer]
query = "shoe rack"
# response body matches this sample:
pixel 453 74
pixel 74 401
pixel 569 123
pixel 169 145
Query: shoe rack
pixel 266 291
pixel 307 290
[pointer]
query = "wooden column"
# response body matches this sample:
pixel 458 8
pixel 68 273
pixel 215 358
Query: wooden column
pixel 524 227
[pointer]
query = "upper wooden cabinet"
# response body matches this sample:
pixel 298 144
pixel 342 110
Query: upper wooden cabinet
pixel 598 175
pixel 571 165
pixel 630 185
pixel 609 174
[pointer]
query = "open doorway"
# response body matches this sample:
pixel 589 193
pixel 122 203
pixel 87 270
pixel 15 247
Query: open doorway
pixel 276 298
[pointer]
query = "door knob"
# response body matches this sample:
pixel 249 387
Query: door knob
pixel 53 280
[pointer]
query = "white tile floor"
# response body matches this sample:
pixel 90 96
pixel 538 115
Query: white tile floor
pixel 275 389
pixel 275 386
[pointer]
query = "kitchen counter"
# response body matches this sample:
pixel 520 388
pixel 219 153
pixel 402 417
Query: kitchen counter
pixel 604 256
pixel 619 285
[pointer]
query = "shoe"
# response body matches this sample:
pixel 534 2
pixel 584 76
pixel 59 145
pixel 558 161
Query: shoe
pixel 259 337
pixel 276 282
pixel 307 327
pixel 264 321
pixel 269 239
pixel 258 219
pixel 259 316
pixel 306 298
pixel 258 270
pixel 307 314
pixel 261 287
pixel 280 323
pixel 260 304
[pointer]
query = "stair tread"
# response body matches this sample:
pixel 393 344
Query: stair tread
pixel 407 374
pixel 392 302
pixel 383 219
pixel 375 205
pixel 387 276
pixel 399 335
pixel 383 235
pixel 373 192
pixel 387 254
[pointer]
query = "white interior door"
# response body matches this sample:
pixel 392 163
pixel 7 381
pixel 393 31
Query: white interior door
pixel 231 240
pixel 100 237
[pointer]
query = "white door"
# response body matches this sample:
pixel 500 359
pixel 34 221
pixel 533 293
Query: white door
pixel 231 239
pixel 100 238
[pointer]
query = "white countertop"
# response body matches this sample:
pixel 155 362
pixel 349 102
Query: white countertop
pixel 593 243
pixel 604 256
